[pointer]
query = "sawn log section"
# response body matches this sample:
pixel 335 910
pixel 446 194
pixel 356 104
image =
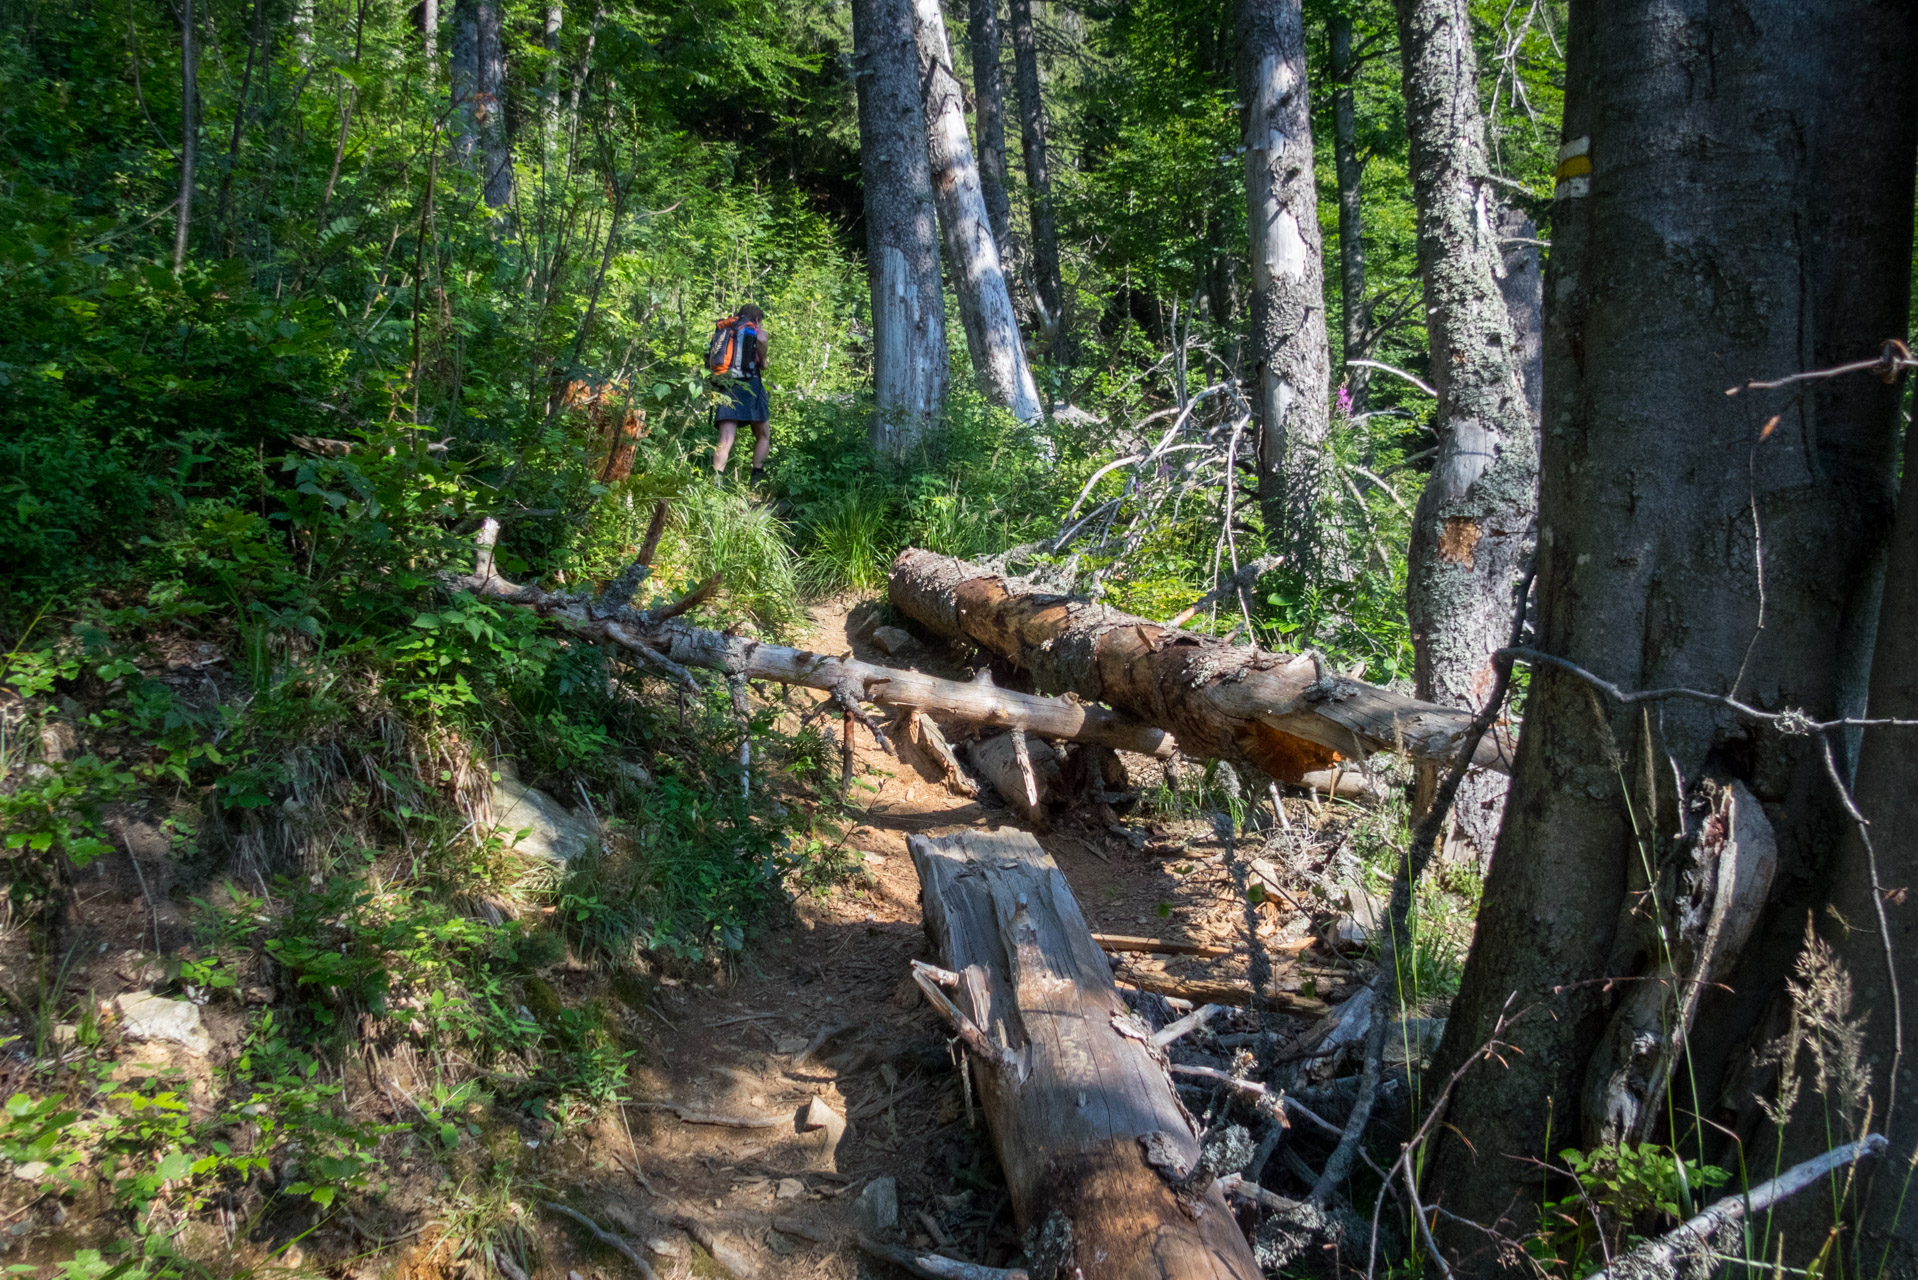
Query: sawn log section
pixel 1284 713
pixel 1075 1100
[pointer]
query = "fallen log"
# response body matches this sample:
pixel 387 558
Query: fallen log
pixel 1102 1163
pixel 1287 714
pixel 670 645
pixel 1027 786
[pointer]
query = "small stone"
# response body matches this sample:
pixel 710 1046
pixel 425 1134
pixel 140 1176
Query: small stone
pixel 260 995
pixel 877 1207
pixel 829 1124
pixel 661 1247
pixel 145 1016
pixel 780 1244
pixel 64 1036
pixel 633 771
pixel 893 640
pixel 789 1189
pixel 574 1275
pixel 31 1171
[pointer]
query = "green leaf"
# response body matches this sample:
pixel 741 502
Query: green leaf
pixel 322 1196
pixel 174 1165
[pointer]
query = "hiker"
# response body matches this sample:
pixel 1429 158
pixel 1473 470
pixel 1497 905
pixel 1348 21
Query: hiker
pixel 737 357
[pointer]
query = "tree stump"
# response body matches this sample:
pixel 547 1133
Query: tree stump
pixel 1098 1153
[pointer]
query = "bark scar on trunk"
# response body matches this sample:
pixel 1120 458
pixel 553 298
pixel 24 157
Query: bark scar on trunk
pixel 1459 539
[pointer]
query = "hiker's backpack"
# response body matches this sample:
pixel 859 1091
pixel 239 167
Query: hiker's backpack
pixel 726 354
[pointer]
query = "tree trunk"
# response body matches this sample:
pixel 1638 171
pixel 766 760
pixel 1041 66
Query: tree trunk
pixel 1288 289
pixel 1351 171
pixel 1871 903
pixel 902 239
pixel 303 32
pixel 189 133
pixel 989 106
pixel 430 35
pixel 1285 715
pixel 985 301
pixel 464 79
pixel 1715 222
pixel 490 108
pixel 1048 283
pixel 549 104
pixel 1522 284
pixel 1101 1161
pixel 1470 531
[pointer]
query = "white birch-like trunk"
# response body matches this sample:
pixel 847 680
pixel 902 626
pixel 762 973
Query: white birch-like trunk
pixel 985 300
pixel 1288 290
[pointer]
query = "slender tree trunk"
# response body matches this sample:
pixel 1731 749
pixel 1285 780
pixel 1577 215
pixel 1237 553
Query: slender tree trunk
pixel 1469 533
pixel 989 104
pixel 985 299
pixel 255 52
pixel 1048 283
pixel 464 79
pixel 549 106
pixel 303 32
pixel 909 361
pixel 1289 349
pixel 189 133
pixel 1351 171
pixel 430 34
pixel 1713 224
pixel 490 110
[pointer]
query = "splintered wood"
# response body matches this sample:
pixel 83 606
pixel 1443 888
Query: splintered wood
pixel 1101 1160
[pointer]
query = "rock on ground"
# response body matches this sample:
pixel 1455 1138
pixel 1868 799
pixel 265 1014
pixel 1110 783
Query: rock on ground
pixel 552 831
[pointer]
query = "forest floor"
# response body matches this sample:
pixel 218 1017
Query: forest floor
pixel 818 1006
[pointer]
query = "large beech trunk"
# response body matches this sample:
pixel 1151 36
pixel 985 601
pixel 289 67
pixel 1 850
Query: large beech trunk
pixel 909 363
pixel 1090 1135
pixel 978 279
pixel 1284 713
pixel 977 702
pixel 1704 232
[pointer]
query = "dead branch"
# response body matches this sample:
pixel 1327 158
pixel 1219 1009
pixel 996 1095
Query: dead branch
pixel 1418 853
pixel 605 1237
pixel 1240 581
pixel 1663 1255
pixel 935 1266
pixel 671 647
pixel 691 1115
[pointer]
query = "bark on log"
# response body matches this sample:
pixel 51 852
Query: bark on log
pixel 685 645
pixel 1076 1106
pixel 1284 713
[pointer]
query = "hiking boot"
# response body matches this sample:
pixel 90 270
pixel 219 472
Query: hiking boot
pixel 758 480
pixel 719 479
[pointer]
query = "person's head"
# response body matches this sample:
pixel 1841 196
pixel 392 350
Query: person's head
pixel 752 315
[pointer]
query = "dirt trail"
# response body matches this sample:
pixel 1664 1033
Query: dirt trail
pixel 834 980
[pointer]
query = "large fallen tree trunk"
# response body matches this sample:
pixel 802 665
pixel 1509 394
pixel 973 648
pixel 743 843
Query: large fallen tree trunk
pixel 671 646
pixel 1287 714
pixel 1102 1162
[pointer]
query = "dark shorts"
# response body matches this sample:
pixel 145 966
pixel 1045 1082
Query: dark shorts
pixel 741 400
